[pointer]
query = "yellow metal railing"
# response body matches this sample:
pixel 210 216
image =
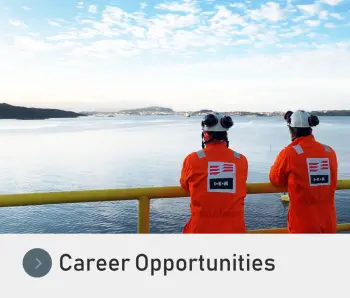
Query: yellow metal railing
pixel 143 195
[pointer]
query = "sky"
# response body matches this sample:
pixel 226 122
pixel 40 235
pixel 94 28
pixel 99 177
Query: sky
pixel 186 54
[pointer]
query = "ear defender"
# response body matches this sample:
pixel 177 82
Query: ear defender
pixel 226 122
pixel 287 116
pixel 313 121
pixel 210 121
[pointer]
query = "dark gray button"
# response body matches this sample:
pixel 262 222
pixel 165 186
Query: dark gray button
pixel 37 262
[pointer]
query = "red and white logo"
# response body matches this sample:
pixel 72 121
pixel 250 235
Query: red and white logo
pixel 217 169
pixel 221 177
pixel 319 171
pixel 318 165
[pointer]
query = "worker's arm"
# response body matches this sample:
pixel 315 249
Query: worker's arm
pixel 186 173
pixel 245 169
pixel 334 162
pixel 280 169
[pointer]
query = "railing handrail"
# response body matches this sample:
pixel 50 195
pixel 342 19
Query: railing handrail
pixel 85 196
pixel 143 195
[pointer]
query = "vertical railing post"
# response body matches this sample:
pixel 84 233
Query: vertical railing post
pixel 143 220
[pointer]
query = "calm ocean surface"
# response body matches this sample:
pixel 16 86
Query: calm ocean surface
pixel 136 151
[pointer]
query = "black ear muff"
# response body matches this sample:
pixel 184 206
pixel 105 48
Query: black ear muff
pixel 226 122
pixel 313 120
pixel 210 120
pixel 287 116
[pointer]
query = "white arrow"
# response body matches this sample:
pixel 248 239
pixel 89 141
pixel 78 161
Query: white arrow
pixel 39 264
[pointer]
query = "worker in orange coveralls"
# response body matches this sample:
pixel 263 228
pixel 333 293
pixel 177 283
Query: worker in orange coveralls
pixel 309 170
pixel 216 179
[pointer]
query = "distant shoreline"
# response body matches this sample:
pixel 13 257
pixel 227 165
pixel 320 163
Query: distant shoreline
pixel 10 112
pixel 159 111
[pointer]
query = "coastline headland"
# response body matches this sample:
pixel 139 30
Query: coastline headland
pixel 8 111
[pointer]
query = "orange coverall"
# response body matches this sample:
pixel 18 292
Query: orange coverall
pixel 216 179
pixel 309 170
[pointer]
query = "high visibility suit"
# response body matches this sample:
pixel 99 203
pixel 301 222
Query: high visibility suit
pixel 216 179
pixel 309 170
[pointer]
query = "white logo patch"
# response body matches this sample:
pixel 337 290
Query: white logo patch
pixel 221 177
pixel 319 171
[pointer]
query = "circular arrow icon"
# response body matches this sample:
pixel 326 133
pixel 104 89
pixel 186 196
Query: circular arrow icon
pixel 37 262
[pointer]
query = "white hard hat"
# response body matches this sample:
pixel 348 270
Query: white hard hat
pixel 217 122
pixel 300 119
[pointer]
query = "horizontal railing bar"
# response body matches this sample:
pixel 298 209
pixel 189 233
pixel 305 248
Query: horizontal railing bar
pixel 69 197
pixel 340 228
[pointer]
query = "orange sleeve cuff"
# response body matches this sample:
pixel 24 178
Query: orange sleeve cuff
pixel 185 174
pixel 279 170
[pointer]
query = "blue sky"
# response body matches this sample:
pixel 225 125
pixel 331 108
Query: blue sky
pixel 250 55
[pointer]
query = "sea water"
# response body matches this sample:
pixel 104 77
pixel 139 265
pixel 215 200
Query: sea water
pixel 138 151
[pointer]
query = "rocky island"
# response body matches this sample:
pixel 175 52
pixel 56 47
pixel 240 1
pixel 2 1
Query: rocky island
pixel 148 111
pixel 22 113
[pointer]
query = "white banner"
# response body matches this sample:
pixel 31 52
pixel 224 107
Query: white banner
pixel 174 266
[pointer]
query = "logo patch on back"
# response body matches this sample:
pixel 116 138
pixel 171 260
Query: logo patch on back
pixel 221 177
pixel 319 171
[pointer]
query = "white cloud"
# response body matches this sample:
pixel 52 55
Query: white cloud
pixel 166 25
pixel 80 5
pixel 337 16
pixel 311 9
pixel 138 32
pixel 17 23
pixel 67 44
pixel 210 50
pixel 171 32
pixel 175 33
pixel 178 30
pixel 295 31
pixel 313 23
pixel 330 25
pixel 184 6
pixel 270 11
pixel 311 35
pixel 224 19
pixel 207 13
pixel 343 45
pixel 242 42
pixel 143 5
pixel 324 14
pixel 251 29
pixel 114 22
pixel 237 5
pixel 332 2
pixel 299 18
pixel 54 24
pixel 31 44
pixel 269 37
pixel 92 9
pixel 26 8
pixel 34 34
pixel 106 48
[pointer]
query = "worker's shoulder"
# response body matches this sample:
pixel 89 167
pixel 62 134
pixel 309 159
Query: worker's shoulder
pixel 195 155
pixel 326 147
pixel 205 153
pixel 299 149
pixel 290 149
pixel 238 155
